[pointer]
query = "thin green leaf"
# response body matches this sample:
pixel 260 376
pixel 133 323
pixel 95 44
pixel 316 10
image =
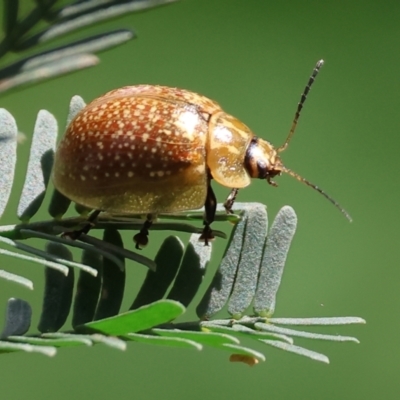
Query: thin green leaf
pixel 205 338
pixel 221 286
pixel 90 45
pixel 129 223
pixel 57 262
pixel 198 215
pixel 250 259
pixel 18 318
pixel 23 26
pixel 40 163
pixel 157 282
pixel 8 156
pixel 114 253
pixel 276 249
pixel 88 6
pixel 6 347
pixel 36 260
pixel 308 335
pixel 16 279
pixel 75 105
pixel 87 290
pixel 317 321
pixel 86 18
pixel 28 233
pixel 58 289
pixel 163 341
pixel 88 340
pixel 113 280
pixel 50 70
pixel 82 7
pixel 297 350
pixel 191 272
pixel 55 342
pixel 58 204
pixel 10 16
pixel 244 332
pixel 109 341
pixel 143 318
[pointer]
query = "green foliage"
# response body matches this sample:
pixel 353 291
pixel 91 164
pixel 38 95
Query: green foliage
pixel 249 274
pixel 21 35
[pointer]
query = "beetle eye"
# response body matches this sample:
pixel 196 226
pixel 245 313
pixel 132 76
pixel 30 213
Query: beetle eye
pixel 262 169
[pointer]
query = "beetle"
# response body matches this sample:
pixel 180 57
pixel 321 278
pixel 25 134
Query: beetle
pixel 151 150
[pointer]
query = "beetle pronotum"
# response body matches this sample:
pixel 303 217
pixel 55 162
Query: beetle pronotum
pixel 152 149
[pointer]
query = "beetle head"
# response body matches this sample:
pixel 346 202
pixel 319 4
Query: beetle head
pixel 262 160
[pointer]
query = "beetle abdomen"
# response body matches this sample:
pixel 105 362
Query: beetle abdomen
pixel 134 154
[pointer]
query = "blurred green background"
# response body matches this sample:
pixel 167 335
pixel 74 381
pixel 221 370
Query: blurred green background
pixel 254 58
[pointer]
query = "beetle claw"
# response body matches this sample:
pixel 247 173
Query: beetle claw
pixel 142 238
pixel 206 235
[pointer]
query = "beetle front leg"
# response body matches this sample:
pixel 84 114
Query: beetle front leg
pixel 230 200
pixel 210 207
pixel 142 238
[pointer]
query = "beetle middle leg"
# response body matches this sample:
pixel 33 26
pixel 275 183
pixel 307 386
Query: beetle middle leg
pixel 230 200
pixel 142 238
pixel 210 206
pixel 90 222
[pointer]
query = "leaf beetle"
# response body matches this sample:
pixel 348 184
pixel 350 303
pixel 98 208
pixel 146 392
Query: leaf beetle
pixel 152 150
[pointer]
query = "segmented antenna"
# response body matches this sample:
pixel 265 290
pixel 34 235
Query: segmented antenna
pixel 319 190
pixel 303 98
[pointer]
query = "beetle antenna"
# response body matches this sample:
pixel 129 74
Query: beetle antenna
pixel 308 183
pixel 303 98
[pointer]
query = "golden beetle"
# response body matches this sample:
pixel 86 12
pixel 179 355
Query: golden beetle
pixel 152 149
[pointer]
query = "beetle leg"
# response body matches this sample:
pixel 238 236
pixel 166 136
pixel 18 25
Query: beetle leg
pixel 210 206
pixel 90 223
pixel 230 200
pixel 142 238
